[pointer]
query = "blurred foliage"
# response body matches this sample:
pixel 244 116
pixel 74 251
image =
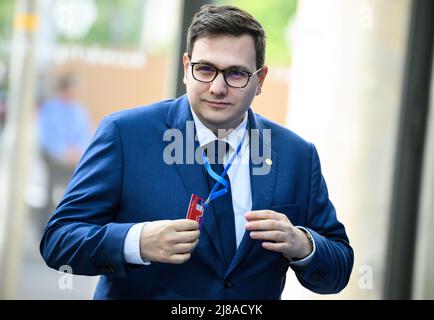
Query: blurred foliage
pixel 118 24
pixel 6 16
pixel 274 15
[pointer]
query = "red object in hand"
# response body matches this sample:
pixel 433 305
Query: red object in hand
pixel 196 209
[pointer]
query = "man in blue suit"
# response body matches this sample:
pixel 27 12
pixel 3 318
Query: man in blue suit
pixel 123 215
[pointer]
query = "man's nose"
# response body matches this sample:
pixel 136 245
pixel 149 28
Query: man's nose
pixel 218 86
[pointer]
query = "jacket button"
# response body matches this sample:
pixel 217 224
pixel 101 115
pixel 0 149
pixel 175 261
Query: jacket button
pixel 228 284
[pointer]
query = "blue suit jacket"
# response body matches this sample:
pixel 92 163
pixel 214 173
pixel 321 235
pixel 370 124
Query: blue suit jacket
pixel 122 179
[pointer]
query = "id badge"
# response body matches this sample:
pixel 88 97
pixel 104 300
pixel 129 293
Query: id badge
pixel 196 209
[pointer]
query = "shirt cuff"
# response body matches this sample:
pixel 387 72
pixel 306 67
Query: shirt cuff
pixel 305 261
pixel 132 245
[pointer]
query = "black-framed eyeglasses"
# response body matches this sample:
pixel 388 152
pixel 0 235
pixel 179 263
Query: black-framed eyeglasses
pixel 234 77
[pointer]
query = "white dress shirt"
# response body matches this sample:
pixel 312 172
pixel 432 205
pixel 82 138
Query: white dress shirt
pixel 239 175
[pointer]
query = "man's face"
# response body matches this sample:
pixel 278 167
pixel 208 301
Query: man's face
pixel 216 104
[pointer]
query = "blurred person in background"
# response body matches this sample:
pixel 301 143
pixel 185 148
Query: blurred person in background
pixel 124 214
pixel 64 133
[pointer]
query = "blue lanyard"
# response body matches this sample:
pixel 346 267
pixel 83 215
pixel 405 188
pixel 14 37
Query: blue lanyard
pixel 219 178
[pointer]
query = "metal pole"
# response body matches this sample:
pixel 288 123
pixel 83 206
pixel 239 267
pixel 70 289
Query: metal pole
pixel 16 145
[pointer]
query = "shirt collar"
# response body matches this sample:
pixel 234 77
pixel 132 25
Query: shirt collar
pixel 206 136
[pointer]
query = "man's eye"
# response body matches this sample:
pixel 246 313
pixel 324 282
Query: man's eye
pixel 236 74
pixel 205 69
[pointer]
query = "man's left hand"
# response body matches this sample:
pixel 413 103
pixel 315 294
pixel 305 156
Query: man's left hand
pixel 278 233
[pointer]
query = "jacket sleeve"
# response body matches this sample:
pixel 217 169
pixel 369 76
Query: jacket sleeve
pixel 82 233
pixel 331 265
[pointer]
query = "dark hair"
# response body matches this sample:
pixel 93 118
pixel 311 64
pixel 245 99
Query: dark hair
pixel 214 20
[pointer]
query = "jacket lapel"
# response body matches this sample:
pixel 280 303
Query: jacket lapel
pixel 262 185
pixel 192 173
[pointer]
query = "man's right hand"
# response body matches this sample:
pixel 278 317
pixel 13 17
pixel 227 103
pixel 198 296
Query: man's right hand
pixel 169 241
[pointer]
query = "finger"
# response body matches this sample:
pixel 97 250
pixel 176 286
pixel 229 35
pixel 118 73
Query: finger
pixel 187 236
pixel 259 215
pixel 266 225
pixel 264 215
pixel 179 258
pixel 185 225
pixel 180 248
pixel 277 236
pixel 276 247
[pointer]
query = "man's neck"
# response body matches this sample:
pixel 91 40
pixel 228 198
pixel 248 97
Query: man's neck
pixel 222 131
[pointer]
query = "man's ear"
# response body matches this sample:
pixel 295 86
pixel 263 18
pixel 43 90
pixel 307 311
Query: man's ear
pixel 186 63
pixel 261 78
